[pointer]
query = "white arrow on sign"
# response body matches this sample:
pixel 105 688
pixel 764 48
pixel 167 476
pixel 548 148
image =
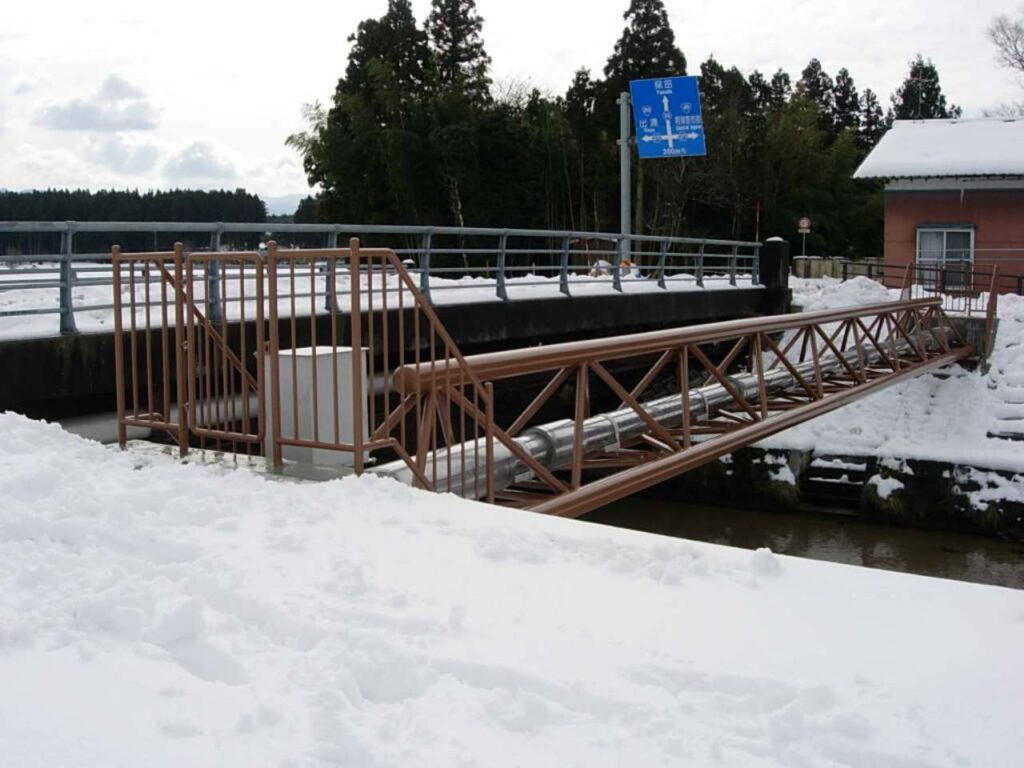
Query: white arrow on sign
pixel 664 104
pixel 661 137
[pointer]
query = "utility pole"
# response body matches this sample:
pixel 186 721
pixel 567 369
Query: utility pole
pixel 625 193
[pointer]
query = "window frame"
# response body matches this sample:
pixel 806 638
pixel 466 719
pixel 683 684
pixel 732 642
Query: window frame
pixel 945 229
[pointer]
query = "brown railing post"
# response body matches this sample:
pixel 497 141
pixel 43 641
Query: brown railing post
pixel 274 348
pixel 180 297
pixel 907 289
pixel 115 259
pixel 357 354
pixel 489 393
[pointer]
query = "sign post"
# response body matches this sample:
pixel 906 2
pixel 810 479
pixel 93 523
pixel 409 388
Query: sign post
pixel 625 182
pixel 804 228
pixel 668 121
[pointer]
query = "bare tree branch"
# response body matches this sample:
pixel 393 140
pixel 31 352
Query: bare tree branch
pixel 1008 37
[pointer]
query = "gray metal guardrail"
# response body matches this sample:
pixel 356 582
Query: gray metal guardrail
pixel 63 255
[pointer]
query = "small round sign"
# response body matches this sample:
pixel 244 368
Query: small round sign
pixel 804 223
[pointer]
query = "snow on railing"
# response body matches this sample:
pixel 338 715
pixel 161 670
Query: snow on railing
pixel 63 268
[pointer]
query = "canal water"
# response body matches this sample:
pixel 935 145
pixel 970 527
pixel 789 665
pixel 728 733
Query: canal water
pixel 834 538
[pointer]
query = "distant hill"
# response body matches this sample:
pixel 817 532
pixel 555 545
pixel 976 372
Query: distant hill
pixel 282 206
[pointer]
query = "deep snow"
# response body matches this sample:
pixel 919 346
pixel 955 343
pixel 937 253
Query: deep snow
pixel 159 614
pixel 949 416
pixel 957 147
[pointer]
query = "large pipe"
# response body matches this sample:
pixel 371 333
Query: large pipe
pixel 552 444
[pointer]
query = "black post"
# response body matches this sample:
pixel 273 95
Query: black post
pixel 845 276
pixel 774 264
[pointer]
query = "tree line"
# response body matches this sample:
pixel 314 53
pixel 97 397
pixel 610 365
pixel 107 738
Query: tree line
pixel 417 133
pixel 120 205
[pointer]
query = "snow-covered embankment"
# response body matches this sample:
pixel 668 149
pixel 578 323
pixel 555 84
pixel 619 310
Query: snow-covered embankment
pixel 161 614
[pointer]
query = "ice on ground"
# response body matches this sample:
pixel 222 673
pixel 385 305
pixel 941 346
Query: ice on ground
pixel 160 614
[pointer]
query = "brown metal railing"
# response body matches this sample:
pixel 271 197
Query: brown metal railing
pixel 225 367
pixel 148 349
pixel 965 289
pixel 384 385
pixel 390 324
pixel 181 368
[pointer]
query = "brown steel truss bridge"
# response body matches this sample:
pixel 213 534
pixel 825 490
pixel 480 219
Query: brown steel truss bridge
pixel 375 384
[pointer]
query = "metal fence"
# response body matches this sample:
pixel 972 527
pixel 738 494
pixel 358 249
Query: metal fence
pixel 47 258
pixel 965 289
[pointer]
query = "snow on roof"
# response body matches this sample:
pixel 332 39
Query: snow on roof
pixel 988 147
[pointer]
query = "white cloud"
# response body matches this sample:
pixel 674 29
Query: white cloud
pixel 120 155
pixel 116 88
pixel 117 106
pixel 23 84
pixel 250 103
pixel 199 162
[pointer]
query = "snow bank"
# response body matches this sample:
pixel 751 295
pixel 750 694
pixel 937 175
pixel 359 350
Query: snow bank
pixel 160 614
pixel 952 416
pixel 812 294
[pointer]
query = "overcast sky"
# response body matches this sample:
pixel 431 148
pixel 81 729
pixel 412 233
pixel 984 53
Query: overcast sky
pixel 202 94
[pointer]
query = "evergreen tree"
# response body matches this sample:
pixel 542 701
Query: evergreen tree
pixel 782 88
pixel 647 47
pixel 390 51
pixel 581 115
pixel 846 102
pixel 816 86
pixel 414 136
pixel 454 28
pixel 760 90
pixel 920 96
pixel 873 123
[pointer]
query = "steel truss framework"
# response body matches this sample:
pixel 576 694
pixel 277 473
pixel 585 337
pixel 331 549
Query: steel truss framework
pixel 431 409
pixel 831 358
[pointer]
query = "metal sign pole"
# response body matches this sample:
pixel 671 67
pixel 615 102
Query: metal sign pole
pixel 625 192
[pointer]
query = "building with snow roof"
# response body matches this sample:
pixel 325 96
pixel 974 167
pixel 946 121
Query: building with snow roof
pixel 954 193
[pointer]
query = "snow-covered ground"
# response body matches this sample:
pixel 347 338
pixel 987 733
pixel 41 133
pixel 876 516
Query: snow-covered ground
pixel 948 416
pixel 158 614
pixel 93 302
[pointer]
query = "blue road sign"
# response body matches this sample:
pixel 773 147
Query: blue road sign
pixel 666 112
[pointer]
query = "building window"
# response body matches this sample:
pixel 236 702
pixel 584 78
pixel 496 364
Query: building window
pixel 945 245
pixel 947 250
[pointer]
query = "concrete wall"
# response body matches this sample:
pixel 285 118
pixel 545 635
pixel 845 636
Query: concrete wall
pixel 928 494
pixel 74 374
pixel 997 217
pixel 832 266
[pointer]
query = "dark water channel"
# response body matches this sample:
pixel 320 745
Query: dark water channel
pixel 833 538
